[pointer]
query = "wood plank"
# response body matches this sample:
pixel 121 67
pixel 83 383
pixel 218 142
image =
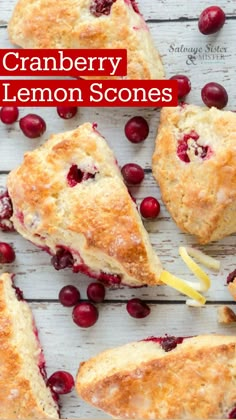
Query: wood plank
pixel 161 9
pixel 39 280
pixel 66 345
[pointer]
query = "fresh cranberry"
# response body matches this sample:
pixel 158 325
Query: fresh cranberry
pixel 136 129
pixel 149 208
pixel 69 295
pixel 75 176
pixel 67 112
pixel 85 314
pixel 9 114
pixel 101 7
pixel 214 94
pixel 6 211
pixel 32 125
pixel 211 20
pixel 231 277
pixel 232 414
pixel 184 84
pixel 7 254
pixel 137 308
pixel 132 173
pixel 62 259
pixel 61 382
pixel 96 292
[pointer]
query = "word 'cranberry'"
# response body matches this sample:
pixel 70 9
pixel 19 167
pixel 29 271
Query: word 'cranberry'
pixel 214 94
pixel 184 84
pixel 96 292
pixel 69 295
pixel 32 125
pixel 149 208
pixel 85 314
pixel 211 20
pixel 132 173
pixel 67 112
pixel 7 254
pixel 61 382
pixel 62 259
pixel 137 308
pixel 9 114
pixel 136 129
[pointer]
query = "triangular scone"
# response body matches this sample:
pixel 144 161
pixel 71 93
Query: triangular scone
pixel 23 394
pixel 195 165
pixel 88 24
pixel 69 198
pixel 168 378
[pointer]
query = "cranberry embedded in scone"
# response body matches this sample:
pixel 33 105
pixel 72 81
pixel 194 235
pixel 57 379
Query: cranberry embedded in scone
pixel 188 147
pixel 103 7
pixel 168 342
pixel 6 211
pixel 75 176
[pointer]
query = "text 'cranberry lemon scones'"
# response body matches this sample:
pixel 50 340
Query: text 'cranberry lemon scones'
pixel 164 378
pixel 88 24
pixel 23 394
pixel 69 198
pixel 195 165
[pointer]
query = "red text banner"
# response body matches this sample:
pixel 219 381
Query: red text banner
pixel 61 62
pixel 93 93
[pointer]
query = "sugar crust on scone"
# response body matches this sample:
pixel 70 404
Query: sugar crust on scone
pixel 96 220
pixel 201 194
pixel 23 393
pixel 70 24
pixel 196 380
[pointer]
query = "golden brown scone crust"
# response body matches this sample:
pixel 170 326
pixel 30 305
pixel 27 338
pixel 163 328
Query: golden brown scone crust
pixel 196 380
pixel 96 220
pixel 19 398
pixel 69 24
pixel 226 315
pixel 200 195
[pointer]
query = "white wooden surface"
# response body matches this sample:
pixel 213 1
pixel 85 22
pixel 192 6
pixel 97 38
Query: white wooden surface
pixel 174 27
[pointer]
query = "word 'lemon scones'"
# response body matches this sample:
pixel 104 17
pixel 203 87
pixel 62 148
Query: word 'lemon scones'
pixel 69 198
pixel 24 394
pixel 195 165
pixel 163 378
pixel 88 24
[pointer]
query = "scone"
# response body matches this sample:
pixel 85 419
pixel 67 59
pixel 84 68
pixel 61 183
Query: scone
pixel 69 198
pixel 194 163
pixel 88 24
pixel 164 378
pixel 23 394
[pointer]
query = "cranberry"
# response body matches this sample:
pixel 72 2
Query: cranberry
pixel 32 126
pixel 96 292
pixel 75 176
pixel 132 173
pixel 62 259
pixel 231 277
pixel 101 7
pixel 211 20
pixel 69 295
pixel 61 382
pixel 184 84
pixel 137 308
pixel 204 152
pixel 136 129
pixel 67 112
pixel 7 254
pixel 6 210
pixel 232 414
pixel 9 114
pixel 85 314
pixel 168 342
pixel 149 208
pixel 214 94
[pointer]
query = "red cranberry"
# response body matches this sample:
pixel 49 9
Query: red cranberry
pixel 7 254
pixel 214 94
pixel 132 173
pixel 9 114
pixel 231 277
pixel 137 308
pixel 69 295
pixel 96 292
pixel 6 211
pixel 101 7
pixel 149 208
pixel 184 84
pixel 67 112
pixel 211 20
pixel 232 414
pixel 136 129
pixel 32 125
pixel 62 259
pixel 85 314
pixel 61 382
pixel 75 176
